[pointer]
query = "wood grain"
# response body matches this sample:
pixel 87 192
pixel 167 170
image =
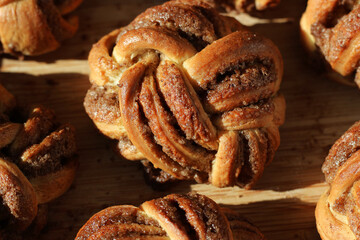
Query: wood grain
pixel 283 202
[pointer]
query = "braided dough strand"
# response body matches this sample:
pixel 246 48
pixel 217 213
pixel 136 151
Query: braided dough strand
pixel 337 212
pixel 185 83
pixel 37 165
pixel 180 217
pixel 333 28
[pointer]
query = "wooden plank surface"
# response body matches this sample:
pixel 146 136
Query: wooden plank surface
pixel 283 201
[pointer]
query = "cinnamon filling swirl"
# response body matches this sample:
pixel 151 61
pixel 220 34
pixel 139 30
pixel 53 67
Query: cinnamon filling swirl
pixel 186 216
pixel 183 83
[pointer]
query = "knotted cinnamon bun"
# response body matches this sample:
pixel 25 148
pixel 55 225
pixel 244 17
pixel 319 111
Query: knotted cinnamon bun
pixel 188 216
pixel 332 27
pixel 337 212
pixel 189 92
pixel 34 27
pixel 37 165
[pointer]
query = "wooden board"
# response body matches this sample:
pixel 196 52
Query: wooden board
pixel 283 201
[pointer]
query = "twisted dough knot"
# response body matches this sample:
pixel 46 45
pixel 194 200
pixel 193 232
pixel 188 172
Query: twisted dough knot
pixel 197 94
pixel 37 165
pixel 333 27
pixel 337 212
pixel 180 217
pixel 34 27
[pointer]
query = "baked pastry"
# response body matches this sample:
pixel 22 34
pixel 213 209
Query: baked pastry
pixel 37 165
pixel 246 5
pixel 332 27
pixel 176 216
pixel 337 212
pixel 30 27
pixel 195 96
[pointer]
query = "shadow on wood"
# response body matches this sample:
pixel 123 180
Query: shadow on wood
pixel 281 219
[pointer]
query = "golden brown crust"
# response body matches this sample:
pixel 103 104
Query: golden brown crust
pixel 181 81
pixel 341 151
pixel 51 186
pixel 332 27
pixel 252 116
pixel 18 197
pixel 37 166
pixel 34 27
pixel 128 150
pixel 8 132
pixel 337 212
pixel 187 216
